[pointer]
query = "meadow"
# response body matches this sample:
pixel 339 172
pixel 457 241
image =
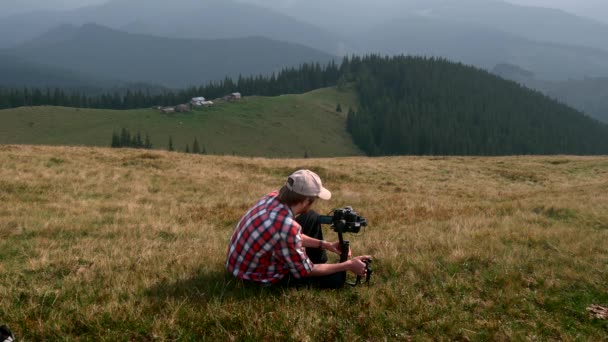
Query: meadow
pixel 118 245
pixel 277 126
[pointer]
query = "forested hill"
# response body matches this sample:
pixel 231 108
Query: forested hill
pixel 414 105
pixel 405 106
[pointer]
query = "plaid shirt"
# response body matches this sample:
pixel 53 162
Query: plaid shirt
pixel 267 244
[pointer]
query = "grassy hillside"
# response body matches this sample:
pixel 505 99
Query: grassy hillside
pixel 284 126
pixel 102 244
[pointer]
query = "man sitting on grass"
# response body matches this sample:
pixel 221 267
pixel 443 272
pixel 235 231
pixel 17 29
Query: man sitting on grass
pixel 267 247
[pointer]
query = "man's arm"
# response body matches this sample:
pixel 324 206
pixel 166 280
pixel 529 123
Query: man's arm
pixel 309 242
pixel 355 265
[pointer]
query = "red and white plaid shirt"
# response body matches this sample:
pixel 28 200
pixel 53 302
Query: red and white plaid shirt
pixel 267 244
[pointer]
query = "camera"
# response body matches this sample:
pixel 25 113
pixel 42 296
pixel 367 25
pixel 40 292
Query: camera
pixel 344 220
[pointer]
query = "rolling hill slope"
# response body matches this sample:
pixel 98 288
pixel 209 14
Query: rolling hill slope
pixel 284 126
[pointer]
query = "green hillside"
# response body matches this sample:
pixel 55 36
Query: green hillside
pixel 283 126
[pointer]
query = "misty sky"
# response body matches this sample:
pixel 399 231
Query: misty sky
pixel 597 9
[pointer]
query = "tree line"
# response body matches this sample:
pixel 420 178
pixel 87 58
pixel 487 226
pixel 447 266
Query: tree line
pixel 428 106
pixel 126 139
pixel 303 78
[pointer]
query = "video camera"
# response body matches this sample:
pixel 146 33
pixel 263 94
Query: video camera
pixel 346 220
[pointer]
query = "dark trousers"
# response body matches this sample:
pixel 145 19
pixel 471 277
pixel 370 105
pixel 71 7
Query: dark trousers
pixel 312 228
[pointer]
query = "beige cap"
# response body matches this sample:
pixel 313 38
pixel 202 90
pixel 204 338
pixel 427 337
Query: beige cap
pixel 307 183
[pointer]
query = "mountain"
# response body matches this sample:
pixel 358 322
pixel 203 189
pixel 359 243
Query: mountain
pixel 210 19
pixel 533 23
pixel 21 27
pixel 572 46
pixel 553 43
pixel 589 95
pixel 17 72
pixel 111 54
pixel 595 9
pixel 483 47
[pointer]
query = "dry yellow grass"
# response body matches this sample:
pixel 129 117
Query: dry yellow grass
pixel 129 245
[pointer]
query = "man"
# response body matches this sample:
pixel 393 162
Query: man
pixel 267 247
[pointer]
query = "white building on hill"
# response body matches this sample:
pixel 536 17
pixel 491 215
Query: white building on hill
pixel 197 101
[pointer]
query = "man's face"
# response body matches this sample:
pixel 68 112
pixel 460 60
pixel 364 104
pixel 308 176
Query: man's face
pixel 309 203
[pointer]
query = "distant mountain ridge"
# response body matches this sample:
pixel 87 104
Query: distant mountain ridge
pixel 210 19
pixel 589 95
pixel 533 23
pixel 553 43
pixel 484 47
pixel 17 72
pixel 108 53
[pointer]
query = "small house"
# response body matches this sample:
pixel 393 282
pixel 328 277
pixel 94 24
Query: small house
pixel 167 110
pixel 182 108
pixel 233 97
pixel 197 101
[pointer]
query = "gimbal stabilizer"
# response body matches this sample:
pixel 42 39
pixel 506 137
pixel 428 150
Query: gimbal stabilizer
pixel 346 220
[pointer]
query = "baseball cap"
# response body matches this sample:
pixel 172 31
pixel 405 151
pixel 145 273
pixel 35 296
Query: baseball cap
pixel 307 183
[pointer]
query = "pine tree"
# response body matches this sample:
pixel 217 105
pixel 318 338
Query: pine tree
pixel 133 142
pixel 138 142
pixel 187 150
pixel 125 138
pixel 195 148
pixel 170 147
pixel 115 140
pixel 339 108
pixel 148 143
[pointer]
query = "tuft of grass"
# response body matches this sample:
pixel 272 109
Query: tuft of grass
pixel 103 244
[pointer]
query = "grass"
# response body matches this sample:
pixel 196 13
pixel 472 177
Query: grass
pixel 102 244
pixel 256 126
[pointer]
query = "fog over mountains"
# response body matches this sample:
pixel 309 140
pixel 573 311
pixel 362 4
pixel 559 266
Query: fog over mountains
pixel 116 55
pixel 554 44
pixel 544 24
pixel 596 9
pixel 211 19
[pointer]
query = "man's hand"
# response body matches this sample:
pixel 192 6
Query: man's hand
pixel 335 247
pixel 357 266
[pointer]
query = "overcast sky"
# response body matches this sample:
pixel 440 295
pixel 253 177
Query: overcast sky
pixel 597 9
